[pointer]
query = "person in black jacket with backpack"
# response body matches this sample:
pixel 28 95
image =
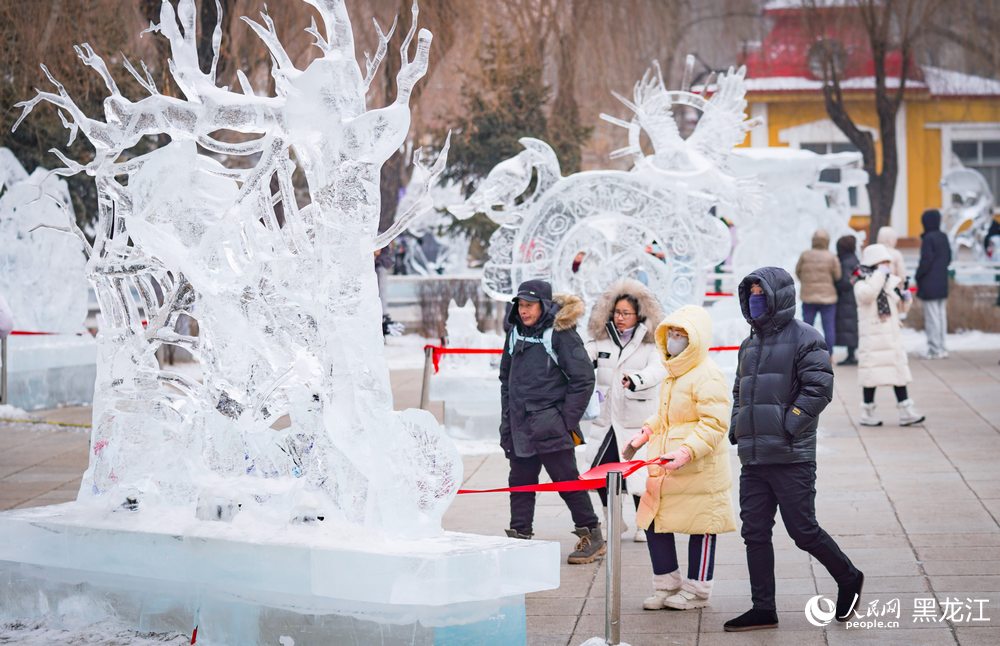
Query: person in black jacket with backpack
pixel 546 380
pixel 784 380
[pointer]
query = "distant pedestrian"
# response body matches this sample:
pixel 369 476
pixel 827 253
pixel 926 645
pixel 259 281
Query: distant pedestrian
pixel 932 282
pixel 889 238
pixel 881 355
pixel 847 307
pixel 818 270
pixel 784 380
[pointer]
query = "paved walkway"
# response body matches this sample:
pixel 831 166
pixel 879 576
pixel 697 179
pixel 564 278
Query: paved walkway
pixel 917 509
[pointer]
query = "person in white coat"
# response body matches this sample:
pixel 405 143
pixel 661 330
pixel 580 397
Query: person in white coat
pixel 629 373
pixel 881 355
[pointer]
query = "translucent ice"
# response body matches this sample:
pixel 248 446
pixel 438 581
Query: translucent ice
pixel 654 223
pixel 804 191
pixel 281 283
pixel 968 199
pixel 42 272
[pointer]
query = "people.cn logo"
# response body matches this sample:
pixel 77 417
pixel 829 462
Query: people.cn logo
pixel 820 611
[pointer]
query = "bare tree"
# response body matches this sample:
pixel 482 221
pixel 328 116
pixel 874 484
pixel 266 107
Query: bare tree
pixel 891 28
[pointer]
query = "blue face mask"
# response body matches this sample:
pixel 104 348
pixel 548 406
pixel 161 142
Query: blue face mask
pixel 758 305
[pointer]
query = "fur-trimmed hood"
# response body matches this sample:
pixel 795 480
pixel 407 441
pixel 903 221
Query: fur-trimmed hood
pixel 571 308
pixel 650 311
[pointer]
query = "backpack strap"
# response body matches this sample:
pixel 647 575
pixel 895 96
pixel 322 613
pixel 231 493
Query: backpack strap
pixel 545 340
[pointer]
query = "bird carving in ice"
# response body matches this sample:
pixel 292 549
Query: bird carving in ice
pixel 700 160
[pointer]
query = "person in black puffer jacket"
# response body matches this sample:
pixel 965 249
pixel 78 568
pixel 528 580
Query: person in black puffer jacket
pixel 784 380
pixel 932 282
pixel 847 306
pixel 546 380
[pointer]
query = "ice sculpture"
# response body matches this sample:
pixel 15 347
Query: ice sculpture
pixel 34 260
pixel 653 223
pixel 283 287
pixel 804 191
pixel 42 277
pixel 968 199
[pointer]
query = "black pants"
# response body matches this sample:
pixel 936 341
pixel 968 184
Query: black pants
pixel 608 452
pixel 764 489
pixel 868 394
pixel 560 465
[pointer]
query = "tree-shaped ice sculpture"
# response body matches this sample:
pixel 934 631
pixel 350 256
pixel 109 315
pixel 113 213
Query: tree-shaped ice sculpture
pixel 283 288
pixel 653 223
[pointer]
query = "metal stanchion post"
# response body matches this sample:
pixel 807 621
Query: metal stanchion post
pixel 613 561
pixel 3 370
pixel 425 386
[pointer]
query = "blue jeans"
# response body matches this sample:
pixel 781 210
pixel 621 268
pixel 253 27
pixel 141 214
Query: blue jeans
pixel 828 315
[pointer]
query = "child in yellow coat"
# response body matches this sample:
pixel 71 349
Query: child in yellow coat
pixel 691 493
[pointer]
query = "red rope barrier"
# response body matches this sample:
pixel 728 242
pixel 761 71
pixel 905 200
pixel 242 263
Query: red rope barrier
pixel 437 351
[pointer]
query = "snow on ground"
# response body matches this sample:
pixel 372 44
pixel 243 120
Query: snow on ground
pixel 13 412
pixel 916 342
pixel 105 633
pixel 406 352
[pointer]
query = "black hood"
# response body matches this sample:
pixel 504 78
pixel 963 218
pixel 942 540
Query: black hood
pixel 779 288
pixel 931 219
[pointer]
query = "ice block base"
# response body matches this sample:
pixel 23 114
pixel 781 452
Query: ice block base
pixel 70 565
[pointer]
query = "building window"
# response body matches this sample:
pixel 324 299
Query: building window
pixel 827 147
pixel 983 156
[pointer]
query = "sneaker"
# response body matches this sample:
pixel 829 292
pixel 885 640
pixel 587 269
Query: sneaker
pixel 640 536
pixel 848 597
pixel 685 600
pixel 656 602
pixel 849 361
pixel 513 533
pixel 752 619
pixel 908 415
pixel 868 417
pixel 589 548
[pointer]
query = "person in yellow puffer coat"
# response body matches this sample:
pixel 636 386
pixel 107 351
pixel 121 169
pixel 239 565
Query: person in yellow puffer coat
pixel 691 493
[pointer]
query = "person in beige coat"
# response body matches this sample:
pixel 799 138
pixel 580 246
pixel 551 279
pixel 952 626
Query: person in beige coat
pixel 818 271
pixel 881 356
pixel 690 494
pixel 629 372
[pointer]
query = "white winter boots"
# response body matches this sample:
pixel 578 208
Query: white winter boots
pixel 908 415
pixel 664 586
pixel 672 591
pixel 868 417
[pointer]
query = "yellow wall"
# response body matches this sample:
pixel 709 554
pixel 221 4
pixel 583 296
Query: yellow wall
pixel 923 144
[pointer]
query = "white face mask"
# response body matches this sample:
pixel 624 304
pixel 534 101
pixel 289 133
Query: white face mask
pixel 884 269
pixel 676 345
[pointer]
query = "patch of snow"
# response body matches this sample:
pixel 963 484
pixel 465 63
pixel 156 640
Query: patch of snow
pixel 944 82
pixel 406 352
pixel 916 342
pixel 104 633
pixel 13 412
